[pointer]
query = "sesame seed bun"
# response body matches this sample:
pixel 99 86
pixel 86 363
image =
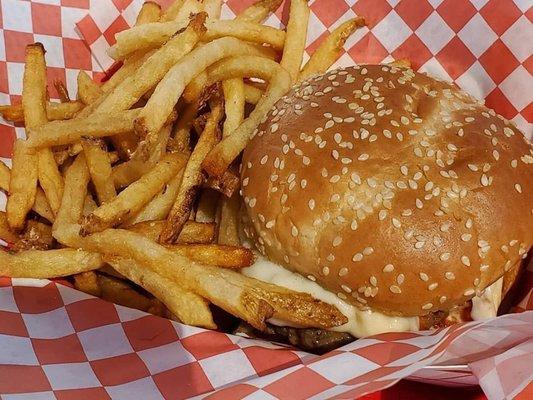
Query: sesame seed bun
pixel 394 190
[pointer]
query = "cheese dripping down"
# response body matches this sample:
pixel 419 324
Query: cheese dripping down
pixel 360 323
pixel 486 305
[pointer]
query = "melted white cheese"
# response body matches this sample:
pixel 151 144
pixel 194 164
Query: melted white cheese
pixel 360 323
pixel 486 305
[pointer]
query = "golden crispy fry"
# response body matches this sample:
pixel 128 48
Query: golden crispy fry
pixel 54 111
pixel 182 129
pixel 22 184
pixel 207 206
pixel 135 196
pixel 149 36
pixel 328 52
pixel 43 264
pixel 192 232
pixel 87 282
pixel 227 183
pixel 6 234
pixel 89 205
pixel 159 207
pixel 62 91
pixel 188 307
pixel 192 177
pixel 155 113
pixel 131 170
pixel 296 36
pixel 88 90
pixel 243 30
pixel 65 132
pixel 223 154
pixel 129 66
pixel 252 95
pixel 178 8
pixel 40 206
pixel 154 69
pixel 232 257
pixel 402 63
pixel 36 236
pixel 99 168
pixel 150 12
pixel 50 178
pixel 73 202
pixel 213 8
pixel 122 293
pixel 228 226
pixel 249 299
pixel 233 104
pixel 259 11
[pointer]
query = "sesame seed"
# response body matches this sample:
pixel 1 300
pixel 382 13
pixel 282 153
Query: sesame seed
pixel 496 155
pixel 337 241
pixel 419 245
pixel 423 276
pixel 306 160
pixel 465 260
pixel 465 237
pixel 450 276
pixel 404 170
pixel 518 187
pixel 444 256
pixel 343 271
pixel 395 289
pixel 473 167
pixel 363 157
pixel 263 160
pixel 373 281
pixel 341 296
pixel 270 224
pixel 514 163
pixel 368 250
pixel 427 306
pixel 433 286
pixel 400 279
pixel 346 289
pixel 388 268
pixel 419 203
pixel 469 292
pixel 396 223
pixel 357 257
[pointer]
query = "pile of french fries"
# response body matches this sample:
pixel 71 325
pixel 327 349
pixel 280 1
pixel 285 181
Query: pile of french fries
pixel 132 189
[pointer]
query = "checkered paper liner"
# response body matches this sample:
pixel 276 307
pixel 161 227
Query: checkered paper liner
pixel 56 342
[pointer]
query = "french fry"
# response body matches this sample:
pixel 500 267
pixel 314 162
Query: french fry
pixel 188 307
pixel 247 31
pixel 129 66
pixel 149 36
pixel 36 236
pixel 88 90
pixel 34 98
pixel 131 170
pixel 89 205
pixel 192 232
pixel 207 206
pixel 223 154
pixel 6 234
pixel 328 52
pixel 135 196
pixel 234 99
pixel 178 8
pixel 155 113
pixel 227 183
pixel 259 11
pixel 159 207
pixel 232 257
pixel 154 69
pixel 121 292
pixel 22 184
pixel 42 264
pixel 183 126
pixel 228 227
pixel 249 299
pixel 294 47
pixel 40 206
pixel 150 12
pixel 99 168
pixel 62 91
pixel 87 282
pixel 192 177
pixel 54 111
pixel 213 8
pixel 65 229
pixel 252 95
pixel 71 131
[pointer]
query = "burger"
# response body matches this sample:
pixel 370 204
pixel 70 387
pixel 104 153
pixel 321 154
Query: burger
pixel 396 197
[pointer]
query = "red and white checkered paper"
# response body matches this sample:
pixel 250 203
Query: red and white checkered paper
pixel 56 342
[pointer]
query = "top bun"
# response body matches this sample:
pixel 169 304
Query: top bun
pixel 394 190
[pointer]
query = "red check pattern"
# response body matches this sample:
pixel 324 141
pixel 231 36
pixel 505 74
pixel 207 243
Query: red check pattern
pixel 58 343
